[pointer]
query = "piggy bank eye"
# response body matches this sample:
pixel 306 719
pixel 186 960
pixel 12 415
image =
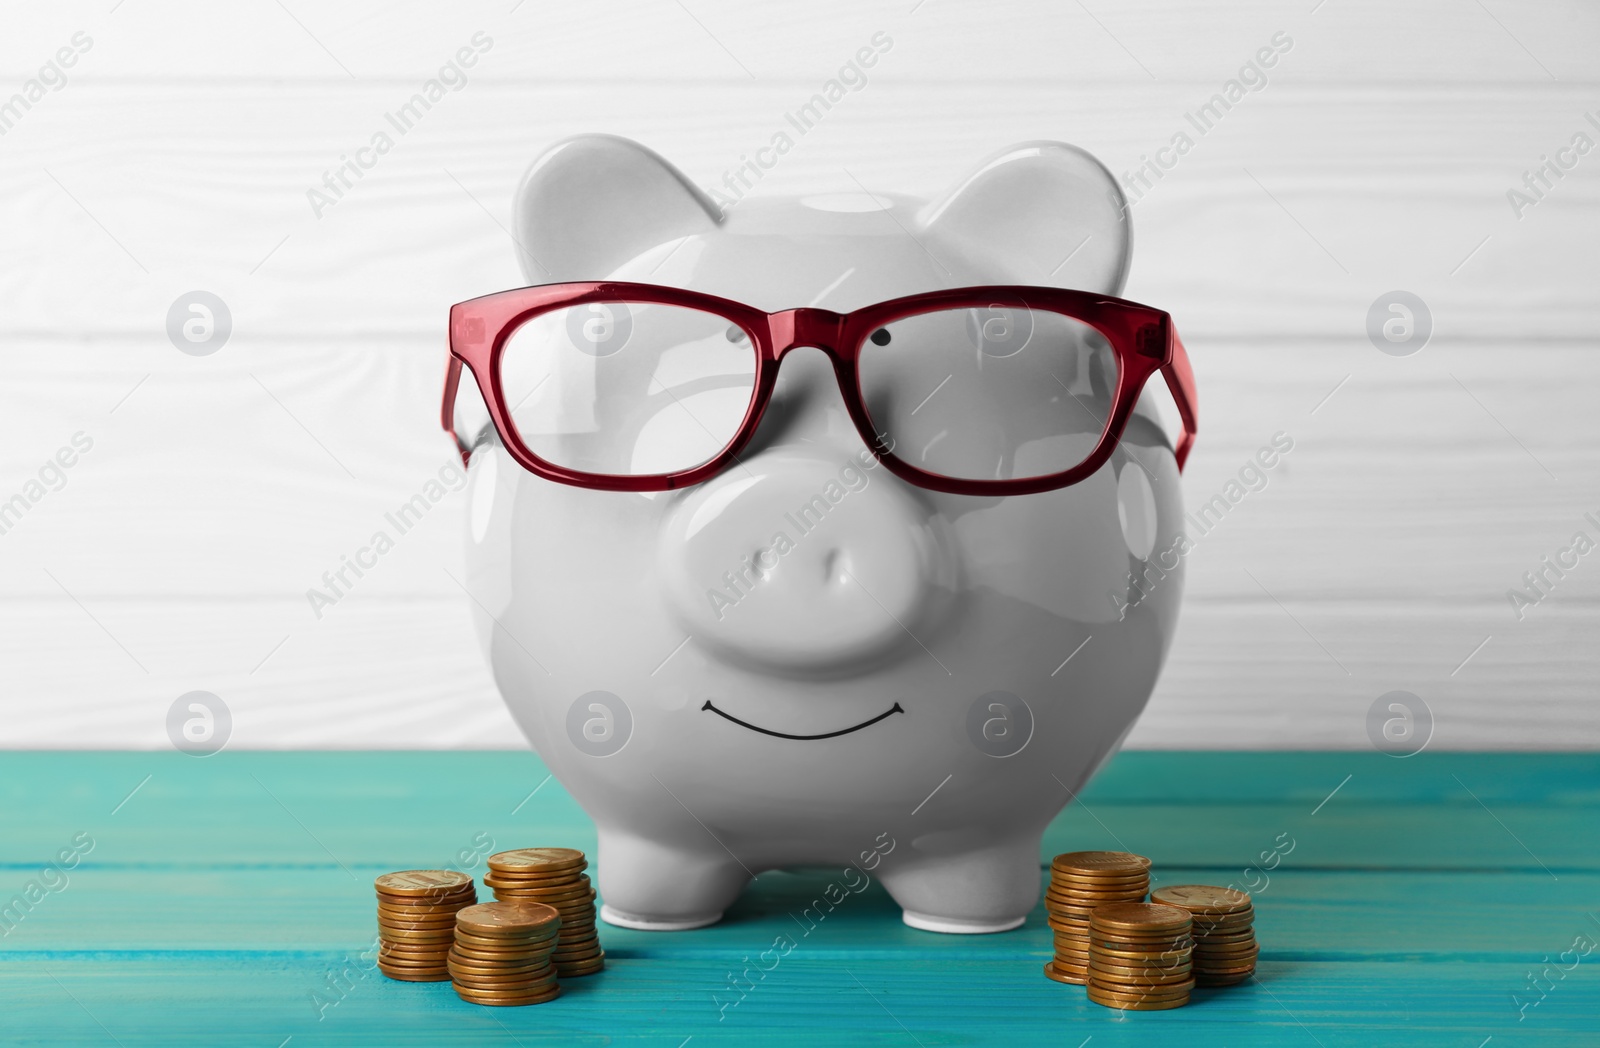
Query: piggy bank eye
pixel 881 337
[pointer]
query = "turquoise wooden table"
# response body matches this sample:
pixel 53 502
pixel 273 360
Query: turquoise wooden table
pixel 1444 899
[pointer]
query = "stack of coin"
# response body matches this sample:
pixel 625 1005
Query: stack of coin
pixel 501 954
pixel 1225 947
pixel 1140 956
pixel 555 877
pixel 1080 881
pixel 417 921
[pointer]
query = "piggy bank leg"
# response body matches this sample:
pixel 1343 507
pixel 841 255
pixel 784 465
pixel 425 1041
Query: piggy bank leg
pixel 990 889
pixel 661 887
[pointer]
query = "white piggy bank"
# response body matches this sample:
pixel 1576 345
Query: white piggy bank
pixel 805 659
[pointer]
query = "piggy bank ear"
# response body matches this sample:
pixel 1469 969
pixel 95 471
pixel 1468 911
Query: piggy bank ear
pixel 591 203
pixel 1046 211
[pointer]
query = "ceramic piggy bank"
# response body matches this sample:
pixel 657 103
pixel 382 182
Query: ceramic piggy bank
pixel 770 578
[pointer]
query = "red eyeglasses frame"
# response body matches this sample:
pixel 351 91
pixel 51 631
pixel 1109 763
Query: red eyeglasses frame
pixel 1142 337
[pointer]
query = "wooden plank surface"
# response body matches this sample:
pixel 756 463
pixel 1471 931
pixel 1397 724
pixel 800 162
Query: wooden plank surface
pixel 220 892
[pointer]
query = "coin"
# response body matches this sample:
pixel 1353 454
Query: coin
pixel 1133 997
pixel 535 935
pixel 548 860
pixel 1202 898
pixel 487 980
pixel 413 961
pixel 1098 861
pixel 498 999
pixel 1237 950
pixel 492 919
pixel 1140 983
pixel 1141 917
pixel 1136 1003
pixel 423 882
pixel 400 975
pixel 1064 975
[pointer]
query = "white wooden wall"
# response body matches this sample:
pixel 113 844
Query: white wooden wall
pixel 178 155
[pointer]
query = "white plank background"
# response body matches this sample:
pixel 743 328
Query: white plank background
pixel 178 156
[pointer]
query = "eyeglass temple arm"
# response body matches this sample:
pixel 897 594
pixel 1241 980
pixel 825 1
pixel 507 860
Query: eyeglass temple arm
pixel 1180 382
pixel 447 413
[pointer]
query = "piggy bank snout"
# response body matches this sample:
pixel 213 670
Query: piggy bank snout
pixel 801 562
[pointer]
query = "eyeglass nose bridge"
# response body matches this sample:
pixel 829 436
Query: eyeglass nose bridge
pixel 822 328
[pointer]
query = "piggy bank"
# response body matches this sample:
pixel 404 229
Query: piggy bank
pixel 805 658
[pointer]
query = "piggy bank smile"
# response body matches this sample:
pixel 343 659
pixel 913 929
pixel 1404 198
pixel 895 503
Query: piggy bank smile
pixel 809 526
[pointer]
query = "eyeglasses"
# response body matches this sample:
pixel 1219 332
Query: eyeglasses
pixel 974 391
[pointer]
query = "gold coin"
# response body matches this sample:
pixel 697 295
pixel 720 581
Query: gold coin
pixel 495 980
pixel 1127 957
pixel 587 966
pixel 1217 964
pixel 1098 861
pixel 1138 972
pixel 1147 943
pixel 1180 990
pixel 414 960
pixel 412 949
pixel 426 907
pixel 1203 979
pixel 489 968
pixel 1203 934
pixel 547 860
pixel 1140 984
pixel 1100 960
pixel 1064 974
pixel 506 957
pixel 586 956
pixel 1141 917
pixel 444 936
pixel 428 898
pixel 423 882
pixel 1242 950
pixel 525 938
pixel 554 883
pixel 409 976
pixel 491 919
pixel 1096 893
pixel 501 997
pixel 445 922
pixel 1135 1004
pixel 424 913
pixel 1202 898
pixel 545 940
pixel 565 895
